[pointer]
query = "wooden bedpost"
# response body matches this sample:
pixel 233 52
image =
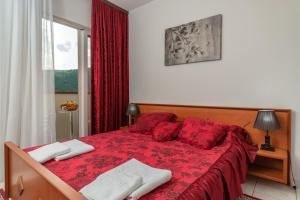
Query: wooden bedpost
pixel 6 169
pixel 26 179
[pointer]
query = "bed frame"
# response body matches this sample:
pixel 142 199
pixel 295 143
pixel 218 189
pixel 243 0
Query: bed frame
pixel 26 179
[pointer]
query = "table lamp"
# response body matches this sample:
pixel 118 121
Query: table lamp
pixel 132 112
pixel 266 120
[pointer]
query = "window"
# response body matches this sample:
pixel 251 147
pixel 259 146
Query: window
pixel 66 79
pixel 65 58
pixel 72 77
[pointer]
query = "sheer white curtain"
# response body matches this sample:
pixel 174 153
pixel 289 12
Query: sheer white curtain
pixel 27 100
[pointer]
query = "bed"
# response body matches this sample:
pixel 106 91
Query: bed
pixel 197 174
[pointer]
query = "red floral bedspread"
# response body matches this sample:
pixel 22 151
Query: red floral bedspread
pixel 197 174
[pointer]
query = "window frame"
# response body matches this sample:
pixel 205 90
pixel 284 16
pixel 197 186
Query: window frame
pixel 83 34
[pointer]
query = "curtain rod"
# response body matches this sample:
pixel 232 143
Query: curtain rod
pixel 115 6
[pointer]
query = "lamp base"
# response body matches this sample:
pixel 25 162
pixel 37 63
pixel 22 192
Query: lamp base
pixel 267 147
pixel 131 120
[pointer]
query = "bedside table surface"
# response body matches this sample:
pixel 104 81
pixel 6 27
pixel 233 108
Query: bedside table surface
pixel 277 154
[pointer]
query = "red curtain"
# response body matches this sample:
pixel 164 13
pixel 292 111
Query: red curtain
pixel 109 74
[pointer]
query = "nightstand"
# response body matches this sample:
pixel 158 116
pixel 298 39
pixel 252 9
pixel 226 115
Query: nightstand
pixel 271 165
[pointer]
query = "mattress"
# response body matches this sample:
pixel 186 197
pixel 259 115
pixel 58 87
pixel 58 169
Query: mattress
pixel 197 174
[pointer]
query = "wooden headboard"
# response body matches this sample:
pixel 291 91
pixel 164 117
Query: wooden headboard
pixel 243 117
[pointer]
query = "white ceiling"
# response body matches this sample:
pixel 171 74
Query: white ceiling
pixel 130 4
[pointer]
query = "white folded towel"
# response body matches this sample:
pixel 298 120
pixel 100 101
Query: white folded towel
pixel 48 152
pixel 112 185
pixel 131 180
pixel 77 148
pixel 152 177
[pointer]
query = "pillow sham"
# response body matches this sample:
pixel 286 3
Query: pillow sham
pixel 201 133
pixel 166 131
pixel 147 121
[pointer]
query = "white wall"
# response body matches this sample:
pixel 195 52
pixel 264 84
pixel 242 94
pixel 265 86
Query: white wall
pixel 78 11
pixel 260 66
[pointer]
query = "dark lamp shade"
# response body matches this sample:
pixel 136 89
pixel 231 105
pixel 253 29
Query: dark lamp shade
pixel 266 120
pixel 133 109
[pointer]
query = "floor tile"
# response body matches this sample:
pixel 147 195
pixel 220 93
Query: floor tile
pixel 269 190
pixel 248 187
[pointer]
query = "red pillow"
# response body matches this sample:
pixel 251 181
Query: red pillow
pixel 147 121
pixel 201 133
pixel 239 132
pixel 166 131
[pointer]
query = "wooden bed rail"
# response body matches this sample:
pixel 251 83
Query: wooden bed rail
pixel 26 179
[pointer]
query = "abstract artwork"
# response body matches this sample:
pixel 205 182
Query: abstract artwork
pixel 194 42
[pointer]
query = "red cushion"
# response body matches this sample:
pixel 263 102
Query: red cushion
pixel 201 133
pixel 147 121
pixel 166 131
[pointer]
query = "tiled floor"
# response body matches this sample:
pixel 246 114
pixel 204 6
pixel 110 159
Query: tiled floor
pixel 266 190
pixel 269 190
